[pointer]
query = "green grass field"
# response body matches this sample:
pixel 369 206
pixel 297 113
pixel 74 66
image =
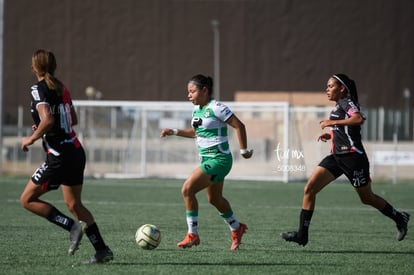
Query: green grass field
pixel 346 237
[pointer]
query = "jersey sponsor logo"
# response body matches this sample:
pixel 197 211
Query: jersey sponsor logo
pixel 37 175
pixel 344 148
pixel 226 111
pixel 352 110
pixel 35 93
pixel 196 122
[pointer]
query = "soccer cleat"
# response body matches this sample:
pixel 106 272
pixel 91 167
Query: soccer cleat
pixel 237 235
pixel 101 256
pixel 75 236
pixel 403 226
pixel 189 240
pixel 294 237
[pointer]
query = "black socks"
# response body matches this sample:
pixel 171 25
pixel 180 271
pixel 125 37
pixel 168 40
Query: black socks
pixel 56 217
pixel 304 222
pixel 92 231
pixel 393 214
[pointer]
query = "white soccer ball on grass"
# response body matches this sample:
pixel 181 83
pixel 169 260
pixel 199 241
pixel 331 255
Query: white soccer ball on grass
pixel 148 236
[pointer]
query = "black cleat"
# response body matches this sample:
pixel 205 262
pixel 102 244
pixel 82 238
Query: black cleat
pixel 101 256
pixel 294 237
pixel 403 226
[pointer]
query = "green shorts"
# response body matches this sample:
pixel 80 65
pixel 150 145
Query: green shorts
pixel 218 166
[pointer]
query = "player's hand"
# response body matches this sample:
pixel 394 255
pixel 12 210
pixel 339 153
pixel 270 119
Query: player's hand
pixel 164 132
pixel 246 153
pixel 325 123
pixel 324 137
pixel 26 141
pixel 168 132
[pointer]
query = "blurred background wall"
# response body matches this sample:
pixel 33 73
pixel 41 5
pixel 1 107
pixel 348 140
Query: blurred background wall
pixel 148 49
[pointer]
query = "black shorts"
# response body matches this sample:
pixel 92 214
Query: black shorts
pixel 66 169
pixel 354 166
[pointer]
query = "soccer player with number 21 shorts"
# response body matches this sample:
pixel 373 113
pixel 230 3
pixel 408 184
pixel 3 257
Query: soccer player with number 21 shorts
pixel 347 157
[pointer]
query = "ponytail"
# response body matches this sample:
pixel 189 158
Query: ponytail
pixel 353 92
pixel 54 84
pixel 44 64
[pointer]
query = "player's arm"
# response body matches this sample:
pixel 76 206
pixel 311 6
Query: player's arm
pixel 354 120
pixel 46 122
pixel 240 129
pixel 188 133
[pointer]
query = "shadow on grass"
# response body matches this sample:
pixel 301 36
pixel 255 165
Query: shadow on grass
pixel 358 252
pixel 204 264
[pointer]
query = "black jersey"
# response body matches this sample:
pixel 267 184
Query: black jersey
pixel 60 107
pixel 345 139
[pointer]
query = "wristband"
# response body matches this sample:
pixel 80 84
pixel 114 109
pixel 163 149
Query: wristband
pixel 243 151
pixel 175 132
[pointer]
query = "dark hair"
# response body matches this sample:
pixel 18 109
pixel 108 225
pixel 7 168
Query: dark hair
pixel 349 85
pixel 202 81
pixel 44 63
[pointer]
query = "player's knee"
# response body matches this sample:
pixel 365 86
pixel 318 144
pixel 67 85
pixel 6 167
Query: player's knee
pixel 308 190
pixel 74 206
pixel 24 202
pixel 213 200
pixel 185 191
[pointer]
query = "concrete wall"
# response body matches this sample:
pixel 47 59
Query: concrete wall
pixel 148 49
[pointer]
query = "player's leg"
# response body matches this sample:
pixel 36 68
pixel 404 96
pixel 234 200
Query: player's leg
pixel 197 181
pixel 72 197
pixel 358 174
pixel 42 182
pixel 215 197
pixel 30 201
pixel 320 177
pixel 317 181
pixel 400 218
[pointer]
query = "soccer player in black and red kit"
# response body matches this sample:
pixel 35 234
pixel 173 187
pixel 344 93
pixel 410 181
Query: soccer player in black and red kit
pixel 347 157
pixel 54 115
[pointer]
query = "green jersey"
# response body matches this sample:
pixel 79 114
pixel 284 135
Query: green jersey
pixel 209 124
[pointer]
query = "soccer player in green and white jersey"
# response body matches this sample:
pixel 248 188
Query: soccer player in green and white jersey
pixel 209 127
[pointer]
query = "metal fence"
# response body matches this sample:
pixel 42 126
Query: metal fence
pixel 121 139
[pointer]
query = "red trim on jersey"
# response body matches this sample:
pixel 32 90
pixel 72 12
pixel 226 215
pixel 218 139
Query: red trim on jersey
pixel 45 186
pixel 66 98
pixel 76 142
pixel 66 95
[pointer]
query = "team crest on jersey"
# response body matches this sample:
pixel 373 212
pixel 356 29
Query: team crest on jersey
pixel 207 113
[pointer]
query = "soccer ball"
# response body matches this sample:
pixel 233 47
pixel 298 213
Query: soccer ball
pixel 148 236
